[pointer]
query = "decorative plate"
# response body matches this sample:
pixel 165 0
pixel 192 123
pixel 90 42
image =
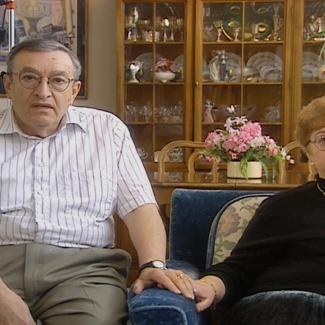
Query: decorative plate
pixel 260 59
pixel 309 56
pixel 311 68
pixel 147 63
pixel 234 63
pixel 232 18
pixel 311 59
pixel 179 62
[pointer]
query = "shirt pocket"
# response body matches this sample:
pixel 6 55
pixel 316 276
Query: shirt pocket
pixel 90 193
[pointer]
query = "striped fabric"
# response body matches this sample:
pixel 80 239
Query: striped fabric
pixel 63 189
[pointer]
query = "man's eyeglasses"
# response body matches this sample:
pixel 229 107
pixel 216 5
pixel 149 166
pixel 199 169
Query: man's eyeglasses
pixel 319 141
pixel 32 80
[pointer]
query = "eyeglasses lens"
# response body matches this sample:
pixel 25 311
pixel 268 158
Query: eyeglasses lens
pixel 56 83
pixel 320 141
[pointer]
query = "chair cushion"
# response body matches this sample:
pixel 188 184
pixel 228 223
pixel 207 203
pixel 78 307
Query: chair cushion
pixel 192 214
pixel 229 225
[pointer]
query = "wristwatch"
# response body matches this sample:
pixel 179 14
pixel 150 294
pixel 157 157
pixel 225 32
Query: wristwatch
pixel 155 264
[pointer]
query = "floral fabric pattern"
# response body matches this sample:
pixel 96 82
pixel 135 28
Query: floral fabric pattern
pixel 232 224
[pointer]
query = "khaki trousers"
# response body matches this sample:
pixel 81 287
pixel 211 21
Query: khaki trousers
pixel 64 286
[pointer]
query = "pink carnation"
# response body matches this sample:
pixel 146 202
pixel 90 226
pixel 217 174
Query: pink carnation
pixel 212 140
pixel 242 140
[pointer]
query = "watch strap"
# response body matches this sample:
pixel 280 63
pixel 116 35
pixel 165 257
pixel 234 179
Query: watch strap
pixel 154 264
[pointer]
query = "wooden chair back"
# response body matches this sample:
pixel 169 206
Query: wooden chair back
pixel 189 161
pixel 283 164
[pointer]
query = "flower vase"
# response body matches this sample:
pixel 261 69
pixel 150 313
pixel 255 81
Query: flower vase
pixel 165 76
pixel 254 169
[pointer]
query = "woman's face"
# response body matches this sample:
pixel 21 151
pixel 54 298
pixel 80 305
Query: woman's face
pixel 314 153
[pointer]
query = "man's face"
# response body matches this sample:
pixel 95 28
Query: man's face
pixel 39 111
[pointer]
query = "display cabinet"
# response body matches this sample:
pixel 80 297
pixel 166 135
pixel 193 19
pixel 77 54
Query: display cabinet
pixel 260 56
pixel 308 69
pixel 153 36
pixel 308 72
pixel 245 52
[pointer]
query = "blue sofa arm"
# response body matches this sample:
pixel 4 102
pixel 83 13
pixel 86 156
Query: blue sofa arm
pixel 162 307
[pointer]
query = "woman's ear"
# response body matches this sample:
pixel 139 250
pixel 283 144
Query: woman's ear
pixel 309 156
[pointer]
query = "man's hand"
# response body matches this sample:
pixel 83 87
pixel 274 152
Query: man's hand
pixel 13 310
pixel 173 280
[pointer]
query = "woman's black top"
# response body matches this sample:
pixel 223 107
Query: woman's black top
pixel 283 247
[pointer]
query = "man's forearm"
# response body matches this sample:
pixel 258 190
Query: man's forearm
pixel 147 233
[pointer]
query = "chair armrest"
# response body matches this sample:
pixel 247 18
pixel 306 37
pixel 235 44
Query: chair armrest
pixel 162 307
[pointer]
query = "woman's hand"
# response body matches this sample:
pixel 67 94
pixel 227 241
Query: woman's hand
pixel 208 290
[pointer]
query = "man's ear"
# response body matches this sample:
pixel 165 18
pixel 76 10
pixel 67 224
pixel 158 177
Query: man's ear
pixel 6 83
pixel 75 90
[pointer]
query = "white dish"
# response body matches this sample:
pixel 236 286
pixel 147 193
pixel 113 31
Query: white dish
pixel 267 68
pixel 309 56
pixel 311 68
pixel 147 64
pixel 273 75
pixel 233 58
pixel 264 70
pixel 311 63
pixel 179 62
pixel 265 64
pixel 261 59
pixel 307 75
pixel 234 63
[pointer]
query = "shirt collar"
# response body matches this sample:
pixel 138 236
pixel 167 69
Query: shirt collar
pixel 9 126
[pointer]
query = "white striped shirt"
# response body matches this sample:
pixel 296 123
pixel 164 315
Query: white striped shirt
pixel 63 190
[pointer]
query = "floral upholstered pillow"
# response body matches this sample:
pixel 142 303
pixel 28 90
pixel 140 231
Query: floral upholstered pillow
pixel 232 224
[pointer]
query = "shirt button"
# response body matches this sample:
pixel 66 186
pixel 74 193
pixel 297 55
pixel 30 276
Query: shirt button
pixel 40 164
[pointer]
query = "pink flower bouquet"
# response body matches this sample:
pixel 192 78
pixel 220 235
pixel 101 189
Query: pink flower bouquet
pixel 242 141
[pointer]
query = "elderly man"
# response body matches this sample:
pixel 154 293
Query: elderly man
pixel 65 171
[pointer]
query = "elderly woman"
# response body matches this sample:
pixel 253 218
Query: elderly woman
pixel 276 273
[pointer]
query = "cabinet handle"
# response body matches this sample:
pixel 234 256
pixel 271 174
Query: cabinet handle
pixel 196 84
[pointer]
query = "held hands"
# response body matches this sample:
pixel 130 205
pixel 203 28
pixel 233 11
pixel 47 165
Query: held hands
pixel 208 290
pixel 173 280
pixel 205 291
pixel 13 310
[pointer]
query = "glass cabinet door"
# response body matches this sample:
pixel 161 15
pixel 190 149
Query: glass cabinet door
pixel 312 68
pixel 242 50
pixel 154 56
pixel 308 73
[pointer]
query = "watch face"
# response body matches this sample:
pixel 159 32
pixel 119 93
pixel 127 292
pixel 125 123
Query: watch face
pixel 158 264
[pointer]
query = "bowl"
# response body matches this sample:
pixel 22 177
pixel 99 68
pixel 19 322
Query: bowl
pixel 165 76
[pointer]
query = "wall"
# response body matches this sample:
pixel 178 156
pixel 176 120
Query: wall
pixel 101 56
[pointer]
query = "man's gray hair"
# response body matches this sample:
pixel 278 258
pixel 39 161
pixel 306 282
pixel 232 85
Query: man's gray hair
pixel 42 45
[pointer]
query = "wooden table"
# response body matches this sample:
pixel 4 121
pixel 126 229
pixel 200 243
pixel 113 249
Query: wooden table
pixel 205 180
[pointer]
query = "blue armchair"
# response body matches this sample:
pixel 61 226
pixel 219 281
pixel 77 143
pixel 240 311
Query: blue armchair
pixel 204 227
